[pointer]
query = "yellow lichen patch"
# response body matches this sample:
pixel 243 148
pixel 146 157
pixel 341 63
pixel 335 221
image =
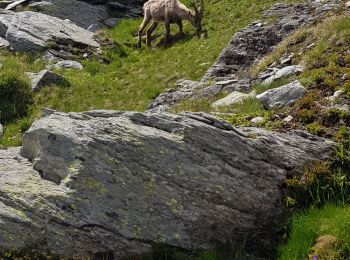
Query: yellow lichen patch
pixel 172 204
pixel 74 166
pixel 325 248
pixel 96 185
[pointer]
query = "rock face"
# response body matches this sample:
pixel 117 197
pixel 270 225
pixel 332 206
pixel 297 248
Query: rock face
pixel 104 181
pixel 4 44
pixel 283 96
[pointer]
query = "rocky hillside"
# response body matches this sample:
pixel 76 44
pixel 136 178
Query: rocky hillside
pixel 220 163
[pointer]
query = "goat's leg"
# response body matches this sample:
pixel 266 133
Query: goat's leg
pixel 179 24
pixel 149 33
pixel 145 22
pixel 167 31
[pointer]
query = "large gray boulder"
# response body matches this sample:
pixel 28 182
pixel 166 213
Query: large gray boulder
pixel 32 31
pixel 117 182
pixel 283 96
pixel 81 13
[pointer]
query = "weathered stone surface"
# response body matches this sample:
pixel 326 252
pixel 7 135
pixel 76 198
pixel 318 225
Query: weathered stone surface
pixel 282 96
pixel 257 120
pixel 13 5
pixel 46 78
pixel 1 130
pixel 5 20
pixel 282 73
pixel 184 89
pixel 68 64
pixel 253 42
pixel 4 44
pixel 31 31
pixel 232 98
pixel 80 13
pixel 116 182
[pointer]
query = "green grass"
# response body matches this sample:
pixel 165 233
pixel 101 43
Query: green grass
pixel 133 77
pixel 260 88
pixel 306 227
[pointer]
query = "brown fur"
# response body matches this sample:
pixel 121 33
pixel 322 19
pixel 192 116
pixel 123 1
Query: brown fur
pixel 168 12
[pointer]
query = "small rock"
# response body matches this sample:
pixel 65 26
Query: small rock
pixel 233 98
pixel 335 96
pixel 284 72
pixel 288 119
pixel 257 120
pixel 347 4
pixel 287 60
pixel 338 93
pixel 267 73
pixel 1 130
pixel 4 44
pixel 46 78
pixel 283 96
pixel 226 82
pixel 68 64
pixel 50 57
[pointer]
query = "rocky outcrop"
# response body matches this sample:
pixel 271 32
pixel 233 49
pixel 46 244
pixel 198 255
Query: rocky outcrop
pixel 85 184
pixel 80 13
pixel 247 47
pixel 31 31
pixel 92 15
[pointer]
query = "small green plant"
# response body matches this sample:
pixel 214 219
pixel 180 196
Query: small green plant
pixel 320 184
pixel 315 128
pixel 16 96
pixel 260 88
pixel 307 227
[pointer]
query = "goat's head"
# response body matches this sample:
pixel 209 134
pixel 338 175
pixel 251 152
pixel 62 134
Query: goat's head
pixel 198 15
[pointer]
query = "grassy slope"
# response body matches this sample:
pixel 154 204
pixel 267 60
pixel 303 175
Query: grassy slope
pixel 306 227
pixel 134 77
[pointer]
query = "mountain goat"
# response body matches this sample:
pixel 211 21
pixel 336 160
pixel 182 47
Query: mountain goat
pixel 169 12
